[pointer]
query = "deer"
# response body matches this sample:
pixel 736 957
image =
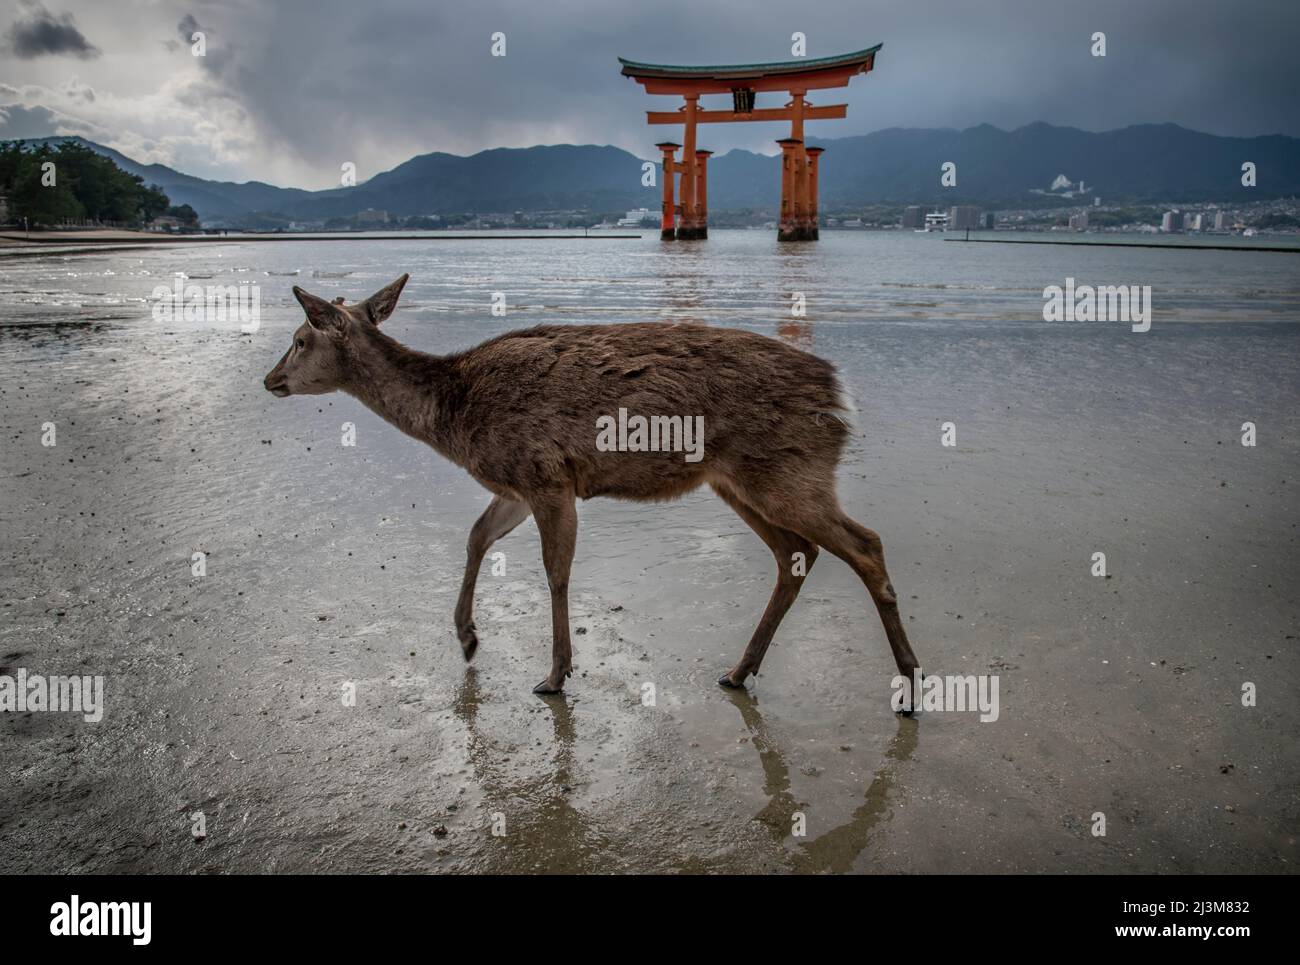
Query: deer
pixel 521 414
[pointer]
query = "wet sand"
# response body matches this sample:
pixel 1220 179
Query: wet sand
pixel 330 565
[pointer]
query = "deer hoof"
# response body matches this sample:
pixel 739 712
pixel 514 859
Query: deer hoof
pixel 549 686
pixel 726 681
pixel 468 643
pixel 916 698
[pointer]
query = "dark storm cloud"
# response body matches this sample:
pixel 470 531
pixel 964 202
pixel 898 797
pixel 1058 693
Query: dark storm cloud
pixel 17 122
pixel 40 33
pixel 292 90
pixel 22 122
pixel 421 77
pixel 188 27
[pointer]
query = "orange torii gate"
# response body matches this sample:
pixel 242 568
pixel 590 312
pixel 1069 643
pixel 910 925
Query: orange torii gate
pixel 743 82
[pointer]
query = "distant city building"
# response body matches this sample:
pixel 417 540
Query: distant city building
pixel 962 217
pixel 372 215
pixel 1079 222
pixel 1172 221
pixel 989 221
pixel 936 221
pixel 1220 221
pixel 1192 222
pixel 913 217
pixel 634 218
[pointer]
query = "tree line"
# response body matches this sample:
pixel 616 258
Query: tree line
pixel 83 186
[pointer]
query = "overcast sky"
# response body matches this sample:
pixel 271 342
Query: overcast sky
pixel 290 90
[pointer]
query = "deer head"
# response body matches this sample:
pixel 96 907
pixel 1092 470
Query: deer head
pixel 318 360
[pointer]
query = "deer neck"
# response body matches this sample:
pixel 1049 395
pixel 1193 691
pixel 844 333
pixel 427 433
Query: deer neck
pixel 406 388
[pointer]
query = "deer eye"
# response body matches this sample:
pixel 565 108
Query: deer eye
pixel 301 343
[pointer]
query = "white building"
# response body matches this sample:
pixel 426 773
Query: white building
pixel 1066 188
pixel 634 218
pixel 1172 221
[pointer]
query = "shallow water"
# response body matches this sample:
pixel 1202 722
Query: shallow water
pixel 329 565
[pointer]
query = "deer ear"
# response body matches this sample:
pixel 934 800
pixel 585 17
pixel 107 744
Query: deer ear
pixel 381 304
pixel 320 313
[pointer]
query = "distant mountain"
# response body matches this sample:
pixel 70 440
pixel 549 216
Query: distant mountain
pixel 553 177
pixel 504 179
pixel 1149 162
pixel 1146 162
pixel 211 199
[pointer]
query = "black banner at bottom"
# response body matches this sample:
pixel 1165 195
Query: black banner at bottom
pixel 335 913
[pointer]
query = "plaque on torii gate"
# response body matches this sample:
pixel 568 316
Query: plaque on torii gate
pixel 686 216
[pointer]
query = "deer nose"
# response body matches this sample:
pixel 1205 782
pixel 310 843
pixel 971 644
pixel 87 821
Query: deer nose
pixel 274 383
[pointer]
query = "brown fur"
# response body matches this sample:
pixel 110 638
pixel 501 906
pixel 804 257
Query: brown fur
pixel 520 411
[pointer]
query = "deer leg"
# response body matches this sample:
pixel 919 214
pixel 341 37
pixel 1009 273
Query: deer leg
pixel 790 572
pixel 501 516
pixel 557 521
pixel 861 549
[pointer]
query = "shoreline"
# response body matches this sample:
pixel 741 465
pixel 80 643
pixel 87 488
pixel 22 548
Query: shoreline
pixel 88 241
pixel 1197 246
pixel 150 238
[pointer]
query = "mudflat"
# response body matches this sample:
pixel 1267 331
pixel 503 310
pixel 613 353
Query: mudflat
pixel 307 697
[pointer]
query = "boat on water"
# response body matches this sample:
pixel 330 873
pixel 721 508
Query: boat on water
pixel 935 221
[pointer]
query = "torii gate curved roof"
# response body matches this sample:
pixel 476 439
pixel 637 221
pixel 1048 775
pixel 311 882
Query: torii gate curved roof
pixel 806 74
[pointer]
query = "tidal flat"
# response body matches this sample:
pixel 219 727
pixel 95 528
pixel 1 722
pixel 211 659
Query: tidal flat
pixel 306 696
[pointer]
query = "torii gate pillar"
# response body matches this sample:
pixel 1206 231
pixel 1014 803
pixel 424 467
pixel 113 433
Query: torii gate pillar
pixel 789 227
pixel 702 194
pixel 813 154
pixel 690 226
pixel 668 224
